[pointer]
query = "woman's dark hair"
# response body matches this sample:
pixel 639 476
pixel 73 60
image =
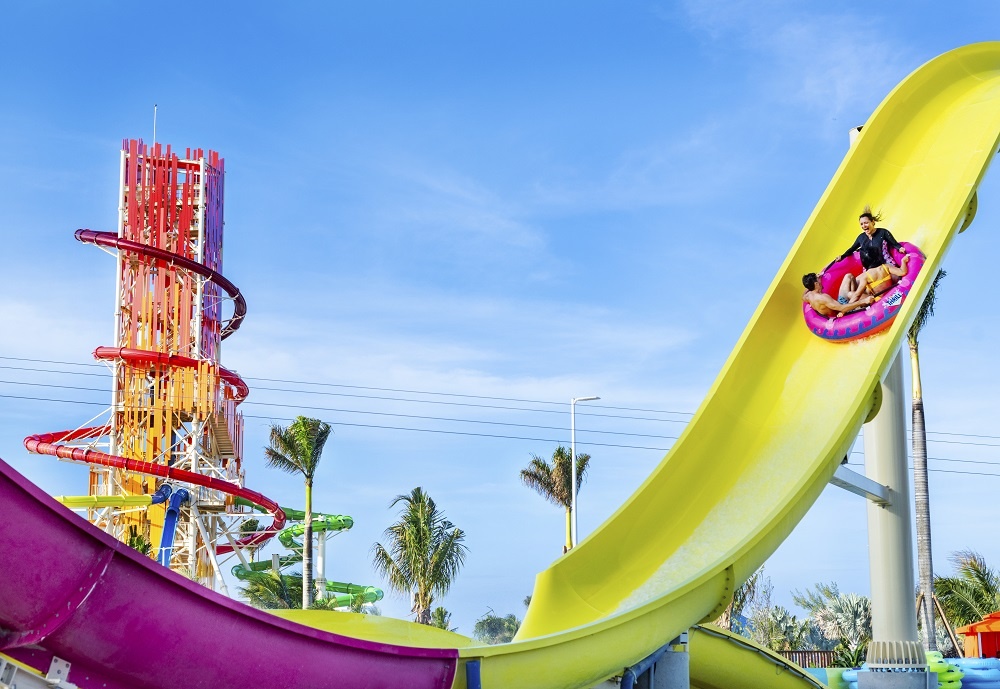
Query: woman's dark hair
pixel 870 214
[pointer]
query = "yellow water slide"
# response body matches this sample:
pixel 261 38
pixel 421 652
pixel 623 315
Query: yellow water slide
pixel 782 413
pixel 764 443
pixel 774 426
pixel 722 660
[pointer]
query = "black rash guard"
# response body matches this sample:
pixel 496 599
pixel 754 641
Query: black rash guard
pixel 873 249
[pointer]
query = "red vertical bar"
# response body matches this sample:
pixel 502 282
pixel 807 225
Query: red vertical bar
pixel 171 203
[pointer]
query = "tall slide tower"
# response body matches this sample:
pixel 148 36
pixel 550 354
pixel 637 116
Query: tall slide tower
pixel 174 419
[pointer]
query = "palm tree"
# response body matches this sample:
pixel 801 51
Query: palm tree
pixel 554 481
pixel 813 601
pixel 773 626
pixel 138 541
pixel 925 568
pixel 779 630
pixel 844 621
pixel 441 618
pixel 425 552
pixel 848 619
pixel 493 629
pixel 361 606
pixel 297 449
pixel 973 593
pixel 269 591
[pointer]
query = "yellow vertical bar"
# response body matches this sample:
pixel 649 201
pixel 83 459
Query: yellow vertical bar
pixel 207 380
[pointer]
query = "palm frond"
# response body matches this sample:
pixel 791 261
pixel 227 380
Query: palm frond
pixel 811 600
pixel 926 310
pixel 386 565
pixel 493 629
pixel 973 593
pixel 539 477
pixel 298 447
pixel 554 481
pixel 269 591
pixel 447 559
pixel 279 453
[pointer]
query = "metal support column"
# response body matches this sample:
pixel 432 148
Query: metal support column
pixel 667 668
pixel 894 643
pixel 321 537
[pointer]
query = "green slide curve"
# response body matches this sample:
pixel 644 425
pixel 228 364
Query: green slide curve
pixel 344 594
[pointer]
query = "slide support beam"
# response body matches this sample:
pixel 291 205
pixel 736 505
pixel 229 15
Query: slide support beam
pixel 890 537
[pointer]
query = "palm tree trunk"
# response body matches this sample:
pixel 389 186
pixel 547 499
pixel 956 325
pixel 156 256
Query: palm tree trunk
pixel 569 531
pixel 307 551
pixel 925 569
pixel 422 601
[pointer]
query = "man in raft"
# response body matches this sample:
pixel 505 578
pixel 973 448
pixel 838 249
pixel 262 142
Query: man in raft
pixel 875 281
pixel 824 304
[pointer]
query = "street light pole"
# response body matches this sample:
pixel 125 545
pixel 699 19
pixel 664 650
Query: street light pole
pixel 572 460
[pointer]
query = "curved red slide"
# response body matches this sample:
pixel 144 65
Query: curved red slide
pixel 113 241
pixel 147 357
pixel 52 443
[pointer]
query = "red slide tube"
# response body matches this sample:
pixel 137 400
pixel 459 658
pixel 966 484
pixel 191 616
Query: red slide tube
pixel 50 444
pixel 112 240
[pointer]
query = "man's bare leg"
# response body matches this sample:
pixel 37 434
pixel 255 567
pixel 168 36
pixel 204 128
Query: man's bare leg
pixel 847 287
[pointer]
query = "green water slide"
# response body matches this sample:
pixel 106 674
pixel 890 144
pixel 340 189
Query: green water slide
pixel 343 593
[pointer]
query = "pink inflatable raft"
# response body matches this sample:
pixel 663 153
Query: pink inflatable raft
pixel 871 319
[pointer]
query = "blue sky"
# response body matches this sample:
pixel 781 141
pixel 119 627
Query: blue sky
pixel 527 201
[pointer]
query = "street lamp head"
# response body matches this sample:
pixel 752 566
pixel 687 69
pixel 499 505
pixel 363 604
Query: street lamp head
pixel 585 399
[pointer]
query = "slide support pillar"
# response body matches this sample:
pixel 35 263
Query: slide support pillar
pixel 673 670
pixel 894 643
pixel 321 565
pixel 667 668
pixel 896 680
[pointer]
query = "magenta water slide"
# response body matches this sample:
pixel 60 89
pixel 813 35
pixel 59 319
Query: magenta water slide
pixel 75 587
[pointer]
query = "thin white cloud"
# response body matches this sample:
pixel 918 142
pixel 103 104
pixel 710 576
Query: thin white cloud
pixel 47 327
pixel 821 61
pixel 660 173
pixel 718 18
pixel 454 342
pixel 455 210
